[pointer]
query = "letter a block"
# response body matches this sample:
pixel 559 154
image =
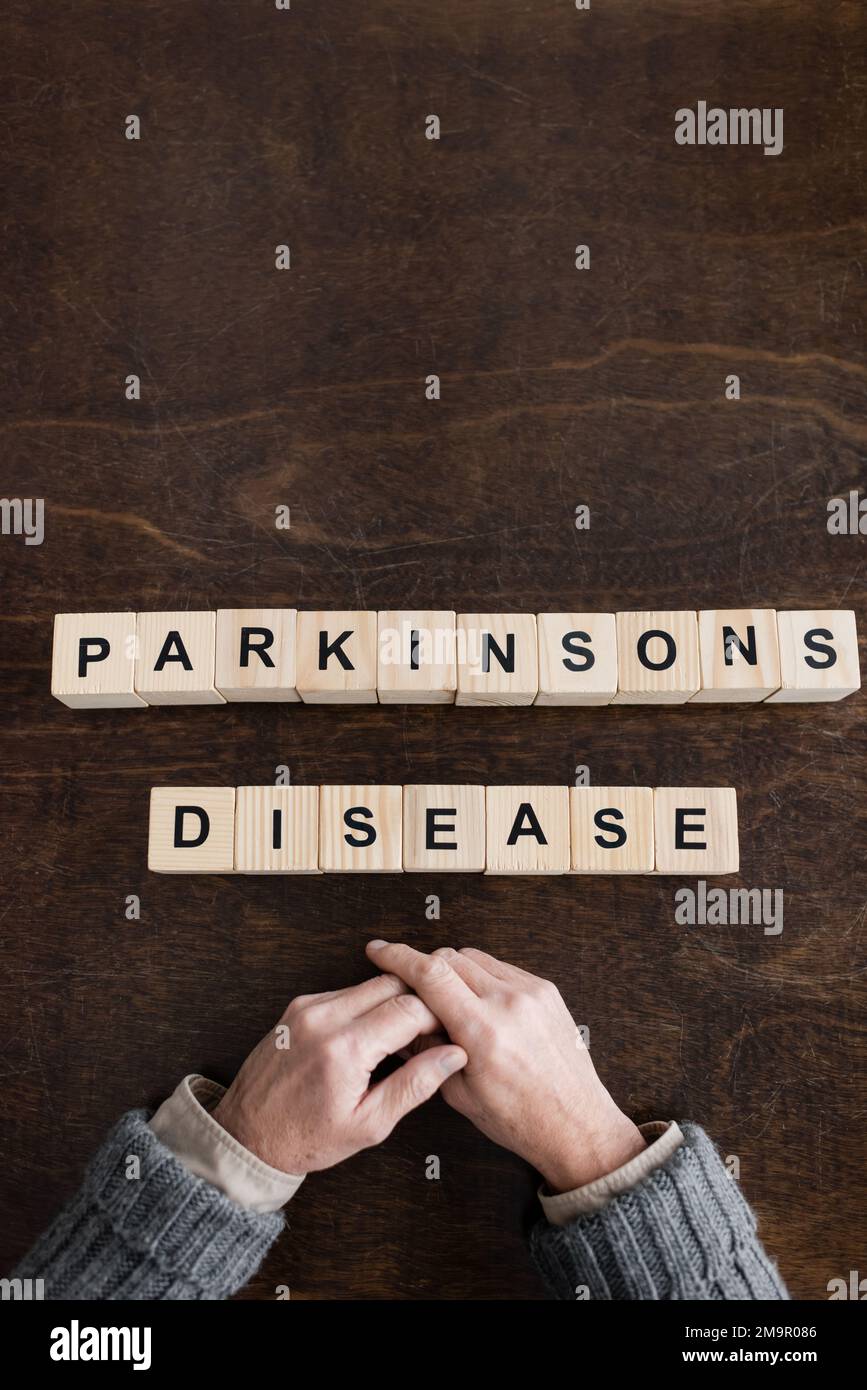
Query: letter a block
pixel 360 829
pixel 612 830
pixel 498 660
pixel 443 829
pixel 256 654
pixel 577 658
pixel 657 658
pixel 93 661
pixel 696 830
pixel 277 830
pixel 192 830
pixel 416 655
pixel 336 656
pixel 175 664
pixel 818 656
pixel 740 655
pixel 527 830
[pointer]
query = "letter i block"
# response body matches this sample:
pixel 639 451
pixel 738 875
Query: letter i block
pixel 93 661
pixel 657 658
pixel 176 655
pixel 740 655
pixel 818 656
pixel 360 830
pixel 416 658
pixel 277 830
pixel 443 829
pixel 577 658
pixel 612 830
pixel 527 830
pixel 498 659
pixel 696 830
pixel 336 658
pixel 256 654
pixel 192 830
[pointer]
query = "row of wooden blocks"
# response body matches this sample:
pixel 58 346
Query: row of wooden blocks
pixel 282 654
pixel 442 829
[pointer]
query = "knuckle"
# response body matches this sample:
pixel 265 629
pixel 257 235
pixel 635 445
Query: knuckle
pixel 434 970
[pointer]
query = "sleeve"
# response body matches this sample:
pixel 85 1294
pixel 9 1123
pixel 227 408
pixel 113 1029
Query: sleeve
pixel 683 1232
pixel 143 1227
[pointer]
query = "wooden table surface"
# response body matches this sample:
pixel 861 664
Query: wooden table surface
pixel 305 388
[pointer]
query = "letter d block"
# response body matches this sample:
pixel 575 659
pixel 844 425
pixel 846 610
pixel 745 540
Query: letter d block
pixel 657 658
pixel 443 829
pixel 256 654
pixel 818 656
pixel 612 830
pixel 360 830
pixel 176 654
pixel 93 661
pixel 336 658
pixel 527 830
pixel 192 830
pixel 696 830
pixel 277 830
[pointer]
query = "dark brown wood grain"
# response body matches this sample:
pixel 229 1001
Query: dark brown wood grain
pixel 306 388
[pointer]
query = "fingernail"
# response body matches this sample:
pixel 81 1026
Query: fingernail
pixel 452 1062
pixel 375 945
pixel 447 951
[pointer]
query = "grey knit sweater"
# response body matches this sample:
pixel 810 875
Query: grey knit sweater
pixel 153 1230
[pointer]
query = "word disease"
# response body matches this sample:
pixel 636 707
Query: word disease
pixel 356 657
pixel 448 828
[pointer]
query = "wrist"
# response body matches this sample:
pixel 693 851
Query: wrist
pixel 585 1153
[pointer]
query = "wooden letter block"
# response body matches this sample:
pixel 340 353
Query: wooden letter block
pixel 256 654
pixel 277 830
pixel 175 664
pixel 740 655
pixel 336 656
pixel 192 830
pixel 360 830
pixel 612 830
pixel 818 656
pixel 443 829
pixel 93 661
pixel 657 658
pixel 577 658
pixel 527 830
pixel 416 658
pixel 498 660
pixel 696 830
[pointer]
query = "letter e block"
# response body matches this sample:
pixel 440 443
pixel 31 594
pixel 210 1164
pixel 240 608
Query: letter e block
pixel 93 661
pixel 256 654
pixel 818 656
pixel 336 656
pixel 657 658
pixel 277 830
pixel 176 654
pixel 696 830
pixel 192 830
pixel 498 659
pixel 443 829
pixel 612 830
pixel 416 658
pixel 527 830
pixel 740 655
pixel 577 658
pixel 360 830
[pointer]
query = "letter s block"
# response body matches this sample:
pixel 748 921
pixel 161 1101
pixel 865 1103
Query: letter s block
pixel 93 661
pixel 192 830
pixel 818 656
pixel 360 830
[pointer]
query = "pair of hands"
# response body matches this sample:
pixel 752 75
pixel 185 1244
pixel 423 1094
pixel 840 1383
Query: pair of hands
pixel 512 1062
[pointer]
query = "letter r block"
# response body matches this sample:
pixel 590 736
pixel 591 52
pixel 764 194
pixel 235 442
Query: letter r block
pixel 192 830
pixel 696 830
pixel 93 661
pixel 256 654
pixel 336 657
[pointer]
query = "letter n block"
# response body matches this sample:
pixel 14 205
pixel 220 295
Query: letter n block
pixel 612 830
pixel 93 661
pixel 176 655
pixel 443 829
pixel 527 830
pixel 277 830
pixel 256 654
pixel 416 658
pixel 818 656
pixel 360 829
pixel 192 830
pixel 696 830
pixel 498 659
pixel 657 658
pixel 336 657
pixel 740 655
pixel 577 658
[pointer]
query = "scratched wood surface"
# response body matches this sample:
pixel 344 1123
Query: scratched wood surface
pixel 306 388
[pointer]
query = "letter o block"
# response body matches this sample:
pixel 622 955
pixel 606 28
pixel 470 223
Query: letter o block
pixel 657 658
pixel 192 830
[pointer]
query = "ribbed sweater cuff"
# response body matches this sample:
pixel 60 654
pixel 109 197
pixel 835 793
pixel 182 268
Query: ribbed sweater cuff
pixel 685 1232
pixel 164 1234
